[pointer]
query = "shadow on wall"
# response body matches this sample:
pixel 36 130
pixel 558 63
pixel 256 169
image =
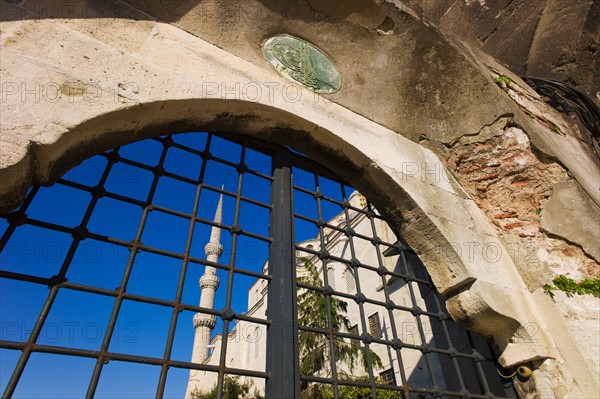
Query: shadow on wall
pixel 174 10
pixel 450 373
pixel 525 35
pixel 167 10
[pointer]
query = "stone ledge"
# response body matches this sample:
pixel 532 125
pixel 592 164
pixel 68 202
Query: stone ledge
pixel 571 215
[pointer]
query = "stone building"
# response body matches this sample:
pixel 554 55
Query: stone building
pixel 435 121
pixel 247 341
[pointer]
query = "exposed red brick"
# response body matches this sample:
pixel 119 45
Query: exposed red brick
pixel 486 177
pixel 504 215
pixel 514 189
pixel 471 170
pixel 510 157
pixel 513 225
pixel 520 183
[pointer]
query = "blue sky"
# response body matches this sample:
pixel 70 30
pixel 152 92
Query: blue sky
pixel 78 319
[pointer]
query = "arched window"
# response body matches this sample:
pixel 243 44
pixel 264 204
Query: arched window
pixel 331 277
pixel 350 283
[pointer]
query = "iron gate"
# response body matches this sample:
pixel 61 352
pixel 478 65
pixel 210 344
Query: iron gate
pixel 339 308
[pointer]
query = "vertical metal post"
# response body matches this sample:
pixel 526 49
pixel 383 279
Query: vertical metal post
pixel 282 335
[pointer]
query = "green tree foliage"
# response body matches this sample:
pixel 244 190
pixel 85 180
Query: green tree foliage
pixel 314 347
pixel 354 392
pixel 232 389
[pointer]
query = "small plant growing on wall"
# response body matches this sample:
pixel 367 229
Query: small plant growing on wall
pixel 502 81
pixel 570 286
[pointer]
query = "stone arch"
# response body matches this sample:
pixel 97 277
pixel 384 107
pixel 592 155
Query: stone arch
pixel 57 111
pixel 474 299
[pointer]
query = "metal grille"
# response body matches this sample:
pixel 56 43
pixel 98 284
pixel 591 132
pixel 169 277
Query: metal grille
pixel 415 336
pixel 64 254
pixel 151 213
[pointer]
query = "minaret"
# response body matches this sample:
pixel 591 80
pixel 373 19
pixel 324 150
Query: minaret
pixel 209 282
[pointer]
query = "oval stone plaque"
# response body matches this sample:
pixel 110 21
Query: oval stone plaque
pixel 300 61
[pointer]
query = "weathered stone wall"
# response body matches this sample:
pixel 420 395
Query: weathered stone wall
pixel 77 83
pixel 552 39
pixel 545 235
pixel 514 188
